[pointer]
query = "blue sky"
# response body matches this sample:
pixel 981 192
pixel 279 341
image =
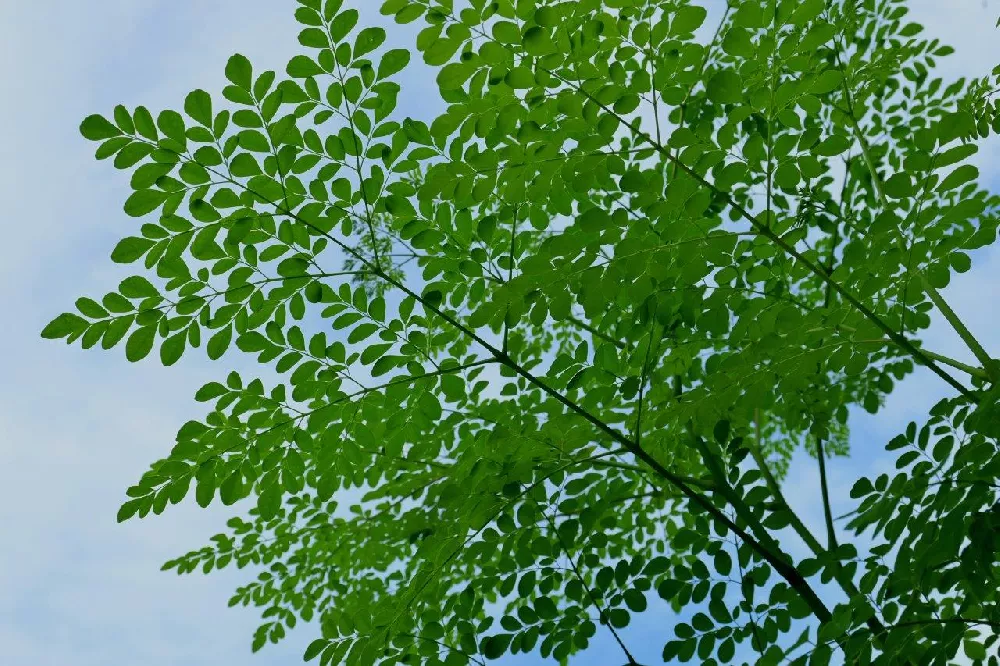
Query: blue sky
pixel 77 427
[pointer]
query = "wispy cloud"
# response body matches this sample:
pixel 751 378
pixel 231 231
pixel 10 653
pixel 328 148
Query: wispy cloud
pixel 79 427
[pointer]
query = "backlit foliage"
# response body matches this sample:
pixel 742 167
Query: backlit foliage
pixel 541 362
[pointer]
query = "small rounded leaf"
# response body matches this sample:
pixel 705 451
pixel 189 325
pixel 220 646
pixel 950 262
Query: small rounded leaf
pixel 493 647
pixel 301 67
pixel 725 87
pixel 130 249
pixel 97 128
pixel 143 202
pixel 129 509
pixel 65 324
pixel 314 649
pixel 172 348
pixel 171 123
pixel 140 343
pixel 198 105
pixel 687 18
pixel 137 287
pixel 219 343
pixel 861 488
pixel 393 61
pixel 537 41
pixel 239 71
pixel 368 40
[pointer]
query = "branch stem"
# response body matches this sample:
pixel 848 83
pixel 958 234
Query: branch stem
pixel 942 305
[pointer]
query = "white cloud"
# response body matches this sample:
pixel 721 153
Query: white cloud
pixel 79 427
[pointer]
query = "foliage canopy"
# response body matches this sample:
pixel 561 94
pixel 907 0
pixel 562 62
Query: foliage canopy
pixel 544 359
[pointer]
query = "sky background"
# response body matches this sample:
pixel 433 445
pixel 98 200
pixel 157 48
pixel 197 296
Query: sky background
pixel 79 426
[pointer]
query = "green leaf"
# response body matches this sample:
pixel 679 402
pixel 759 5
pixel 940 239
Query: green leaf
pixel 861 488
pixel 393 61
pixel 618 618
pixel 269 502
pixel 293 267
pixel 263 84
pixel 749 15
pixel 90 308
pixel 209 391
pixel 961 175
pixel 96 128
pixel 254 141
pixel 738 42
pixel 64 325
pixel 244 166
pixel 506 32
pixel 130 249
pixel 219 343
pixel 301 67
pixel 193 174
pixel 687 18
pixel 368 40
pixel 547 17
pixel 239 71
pixel 198 105
pixel 143 202
pixel 308 15
pixel 725 87
pixel 137 287
pixel 723 562
pixel 898 186
pixel 140 343
pixel 494 647
pixel 131 154
pixel 313 38
pixel 537 41
pixel 171 124
pixel 342 24
pixel 147 174
pixel 129 509
pixel 974 649
pixel 144 123
pixel 208 156
pixel 172 348
pixel 826 82
pixel 721 431
pixel 314 648
pixel 123 119
pixel 960 261
pixel 453 75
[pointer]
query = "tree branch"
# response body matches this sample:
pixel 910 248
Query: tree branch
pixel 963 332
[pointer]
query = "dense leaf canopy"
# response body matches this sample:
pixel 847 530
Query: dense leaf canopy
pixel 544 359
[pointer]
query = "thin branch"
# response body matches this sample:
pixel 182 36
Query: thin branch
pixel 831 534
pixel 990 369
pixel 697 78
pixel 796 523
pixel 637 435
pixel 940 358
pixel 947 620
pixel 705 484
pixel 963 332
pixel 510 276
pixel 590 594
pixel 596 333
pixel 470 657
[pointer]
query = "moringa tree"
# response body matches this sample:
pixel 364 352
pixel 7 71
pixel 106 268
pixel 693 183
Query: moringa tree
pixel 542 361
